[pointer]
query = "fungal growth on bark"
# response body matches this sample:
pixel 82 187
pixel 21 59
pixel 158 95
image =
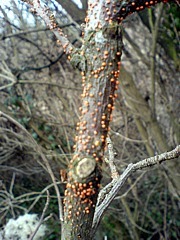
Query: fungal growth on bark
pixel 99 60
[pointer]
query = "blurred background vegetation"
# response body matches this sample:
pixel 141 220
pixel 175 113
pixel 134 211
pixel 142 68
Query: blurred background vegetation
pixel 41 91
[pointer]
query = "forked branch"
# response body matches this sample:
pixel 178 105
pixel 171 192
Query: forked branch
pixel 109 192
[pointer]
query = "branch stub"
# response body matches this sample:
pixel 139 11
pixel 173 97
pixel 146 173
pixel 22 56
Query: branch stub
pixel 85 167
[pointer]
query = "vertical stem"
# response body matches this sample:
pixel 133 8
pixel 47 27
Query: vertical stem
pixel 154 28
pixel 132 228
pixel 100 55
pixel 144 134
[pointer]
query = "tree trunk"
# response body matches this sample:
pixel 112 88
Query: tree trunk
pixel 101 61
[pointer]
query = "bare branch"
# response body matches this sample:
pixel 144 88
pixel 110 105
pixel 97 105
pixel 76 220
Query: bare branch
pixel 155 30
pixel 148 162
pixel 114 172
pixel 31 31
pixel 125 8
pixel 48 17
pixel 108 193
pixel 42 216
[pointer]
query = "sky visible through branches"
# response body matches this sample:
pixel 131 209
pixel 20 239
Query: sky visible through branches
pixel 7 3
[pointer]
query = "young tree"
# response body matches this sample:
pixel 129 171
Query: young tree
pixel 98 60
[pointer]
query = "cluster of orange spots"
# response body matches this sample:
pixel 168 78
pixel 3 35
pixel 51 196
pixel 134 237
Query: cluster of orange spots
pixel 128 7
pixel 93 103
pixel 53 25
pixel 85 140
pixel 96 72
pixel 81 190
pixel 92 5
pixel 86 19
pixel 84 194
pixel 87 133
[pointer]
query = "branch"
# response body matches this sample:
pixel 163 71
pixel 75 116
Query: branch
pixel 114 172
pixel 48 17
pixel 31 31
pixel 52 62
pixel 6 74
pixel 42 217
pixel 155 30
pixel 125 8
pixel 109 192
pixel 148 162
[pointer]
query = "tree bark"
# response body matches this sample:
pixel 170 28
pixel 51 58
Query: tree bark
pixel 99 61
pixel 101 55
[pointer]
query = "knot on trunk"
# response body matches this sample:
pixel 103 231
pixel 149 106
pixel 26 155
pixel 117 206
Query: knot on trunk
pixel 85 167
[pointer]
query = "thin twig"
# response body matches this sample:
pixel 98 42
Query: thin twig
pixel 42 217
pixel 47 83
pixel 32 31
pixel 12 184
pixel 38 149
pixel 128 139
pixel 155 30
